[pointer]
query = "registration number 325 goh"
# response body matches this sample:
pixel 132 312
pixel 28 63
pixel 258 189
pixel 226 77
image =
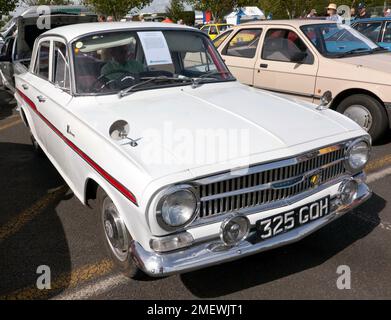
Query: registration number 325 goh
pixel 284 222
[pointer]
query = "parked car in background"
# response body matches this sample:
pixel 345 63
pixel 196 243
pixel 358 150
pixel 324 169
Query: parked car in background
pixel 376 29
pixel 35 11
pixel 15 54
pixel 305 58
pixel 109 104
pixel 214 29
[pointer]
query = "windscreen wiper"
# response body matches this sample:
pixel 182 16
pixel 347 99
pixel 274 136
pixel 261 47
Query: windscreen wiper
pixel 147 80
pixel 379 49
pixel 353 51
pixel 208 77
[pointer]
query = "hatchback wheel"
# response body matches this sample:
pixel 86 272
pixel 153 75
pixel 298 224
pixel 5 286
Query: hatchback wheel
pixel 368 112
pixel 115 236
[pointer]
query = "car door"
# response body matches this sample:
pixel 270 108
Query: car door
pixel 6 63
pixel 286 64
pixel 240 53
pixel 53 102
pixel 31 87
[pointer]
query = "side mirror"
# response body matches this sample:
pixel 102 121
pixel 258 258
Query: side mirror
pixel 325 100
pixel 299 56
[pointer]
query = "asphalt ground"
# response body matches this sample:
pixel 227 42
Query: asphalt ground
pixel 42 223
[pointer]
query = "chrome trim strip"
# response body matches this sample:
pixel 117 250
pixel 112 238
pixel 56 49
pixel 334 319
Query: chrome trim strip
pixel 270 185
pixel 203 255
pixel 238 172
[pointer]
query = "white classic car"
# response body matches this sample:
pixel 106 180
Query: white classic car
pixel 119 108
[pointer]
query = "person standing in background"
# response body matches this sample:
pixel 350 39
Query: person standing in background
pixel 332 13
pixel 312 14
pixel 387 13
pixel 101 18
pixel 167 20
pixel 362 11
pixel 110 19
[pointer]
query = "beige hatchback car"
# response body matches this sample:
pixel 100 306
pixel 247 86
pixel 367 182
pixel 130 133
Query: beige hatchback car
pixel 306 58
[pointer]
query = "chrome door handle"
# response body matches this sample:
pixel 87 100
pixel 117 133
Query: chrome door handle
pixel 41 99
pixel 25 86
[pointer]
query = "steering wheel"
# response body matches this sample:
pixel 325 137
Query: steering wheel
pixel 124 75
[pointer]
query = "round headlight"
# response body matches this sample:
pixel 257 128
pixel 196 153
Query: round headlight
pixel 358 155
pixel 177 207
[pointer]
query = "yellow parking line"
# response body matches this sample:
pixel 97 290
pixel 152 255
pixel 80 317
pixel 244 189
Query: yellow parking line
pixel 64 281
pixel 11 124
pixel 26 216
pixel 378 164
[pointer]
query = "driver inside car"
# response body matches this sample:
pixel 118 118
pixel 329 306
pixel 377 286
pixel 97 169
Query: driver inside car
pixel 122 62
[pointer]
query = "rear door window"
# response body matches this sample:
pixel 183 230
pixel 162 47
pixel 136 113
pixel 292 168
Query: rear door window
pixel 42 63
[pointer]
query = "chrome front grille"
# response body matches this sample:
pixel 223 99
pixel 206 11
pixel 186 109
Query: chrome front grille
pixel 269 183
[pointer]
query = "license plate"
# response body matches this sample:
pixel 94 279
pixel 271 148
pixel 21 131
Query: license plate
pixel 287 221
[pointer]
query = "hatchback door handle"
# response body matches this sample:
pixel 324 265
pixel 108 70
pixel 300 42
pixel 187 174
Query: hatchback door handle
pixel 264 65
pixel 41 99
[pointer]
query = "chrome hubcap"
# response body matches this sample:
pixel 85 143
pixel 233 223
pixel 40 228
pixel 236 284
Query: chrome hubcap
pixel 361 115
pixel 115 230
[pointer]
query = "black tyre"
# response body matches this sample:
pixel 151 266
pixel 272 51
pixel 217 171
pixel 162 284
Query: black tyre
pixel 115 236
pixel 36 147
pixel 368 112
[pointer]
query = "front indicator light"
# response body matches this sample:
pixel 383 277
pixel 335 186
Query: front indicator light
pixel 234 230
pixel 348 191
pixel 172 243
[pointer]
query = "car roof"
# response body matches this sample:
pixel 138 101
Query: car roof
pixel 371 19
pixel 71 32
pixel 293 22
pixel 217 24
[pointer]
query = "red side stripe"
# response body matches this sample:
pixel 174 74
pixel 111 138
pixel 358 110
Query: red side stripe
pixel 115 183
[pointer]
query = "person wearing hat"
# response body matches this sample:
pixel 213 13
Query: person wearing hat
pixel 312 14
pixel 332 12
pixel 362 11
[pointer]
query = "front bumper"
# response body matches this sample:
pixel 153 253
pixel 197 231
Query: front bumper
pixel 205 254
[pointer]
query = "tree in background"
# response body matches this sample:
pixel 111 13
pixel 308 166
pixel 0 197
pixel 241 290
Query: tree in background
pixel 283 9
pixel 47 2
pixel 218 8
pixel 7 5
pixel 118 8
pixel 175 10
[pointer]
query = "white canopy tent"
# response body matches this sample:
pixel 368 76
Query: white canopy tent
pixel 244 14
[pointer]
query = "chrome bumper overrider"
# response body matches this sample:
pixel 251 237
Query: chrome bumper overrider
pixel 205 254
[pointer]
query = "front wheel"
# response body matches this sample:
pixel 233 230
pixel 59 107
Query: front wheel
pixel 36 147
pixel 368 112
pixel 115 236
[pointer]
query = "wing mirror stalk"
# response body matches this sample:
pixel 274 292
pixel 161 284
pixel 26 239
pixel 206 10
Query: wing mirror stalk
pixel 325 101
